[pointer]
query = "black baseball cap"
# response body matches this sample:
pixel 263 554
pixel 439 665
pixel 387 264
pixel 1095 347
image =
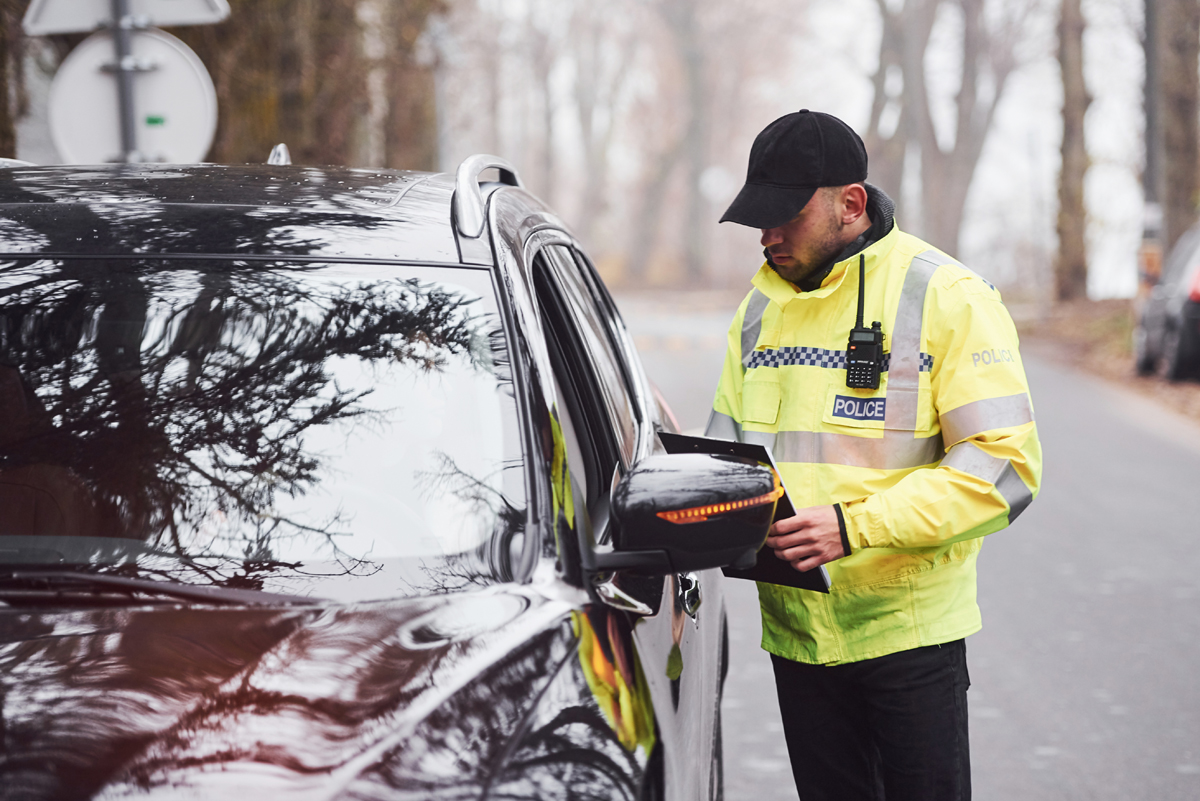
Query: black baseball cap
pixel 791 159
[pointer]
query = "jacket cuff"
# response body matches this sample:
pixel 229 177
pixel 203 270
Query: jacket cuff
pixel 846 550
pixel 856 520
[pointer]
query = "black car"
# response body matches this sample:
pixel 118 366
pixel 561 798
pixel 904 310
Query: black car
pixel 1167 337
pixel 324 483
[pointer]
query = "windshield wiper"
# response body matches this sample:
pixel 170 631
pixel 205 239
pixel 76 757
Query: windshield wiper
pixel 68 586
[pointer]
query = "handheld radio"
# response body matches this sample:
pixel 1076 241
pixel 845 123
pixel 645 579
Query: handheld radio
pixel 864 354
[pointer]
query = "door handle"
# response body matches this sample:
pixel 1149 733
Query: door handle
pixel 689 593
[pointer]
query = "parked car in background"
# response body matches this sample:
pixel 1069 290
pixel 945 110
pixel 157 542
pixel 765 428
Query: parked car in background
pixel 1167 335
pixel 324 483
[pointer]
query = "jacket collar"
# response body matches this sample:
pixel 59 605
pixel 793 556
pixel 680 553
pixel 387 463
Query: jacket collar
pixel 781 292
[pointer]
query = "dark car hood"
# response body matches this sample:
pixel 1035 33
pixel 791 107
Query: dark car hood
pixel 310 702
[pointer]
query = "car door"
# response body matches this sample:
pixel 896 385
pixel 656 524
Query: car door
pixel 677 622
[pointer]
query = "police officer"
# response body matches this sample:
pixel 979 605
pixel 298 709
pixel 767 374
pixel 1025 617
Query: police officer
pixel 898 466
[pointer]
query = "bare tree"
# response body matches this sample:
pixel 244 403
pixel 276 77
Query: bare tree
pixel 410 139
pixel 990 33
pixel 618 100
pixel 1175 38
pixel 603 55
pixel 8 132
pixel 685 25
pixel 11 73
pixel 1071 267
pixel 698 112
pixel 295 71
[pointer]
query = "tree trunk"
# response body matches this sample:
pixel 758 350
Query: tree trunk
pixel 12 73
pixel 682 18
pixel 901 51
pixel 697 223
pixel 886 153
pixel 543 56
pixel 598 90
pixel 1070 269
pixel 8 128
pixel 410 140
pixel 946 174
pixel 645 231
pixel 1178 35
pixel 294 71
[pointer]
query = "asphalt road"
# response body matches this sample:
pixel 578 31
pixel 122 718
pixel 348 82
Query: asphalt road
pixel 1086 676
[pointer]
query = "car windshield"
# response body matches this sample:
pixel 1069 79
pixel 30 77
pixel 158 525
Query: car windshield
pixel 335 430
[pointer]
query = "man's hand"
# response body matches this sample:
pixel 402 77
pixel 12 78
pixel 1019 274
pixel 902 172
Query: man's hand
pixel 810 539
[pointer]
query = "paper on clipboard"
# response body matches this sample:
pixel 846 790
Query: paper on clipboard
pixel 769 568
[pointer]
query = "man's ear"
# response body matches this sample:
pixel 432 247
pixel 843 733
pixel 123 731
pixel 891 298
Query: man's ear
pixel 854 203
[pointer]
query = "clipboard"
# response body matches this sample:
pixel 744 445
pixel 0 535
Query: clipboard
pixel 769 568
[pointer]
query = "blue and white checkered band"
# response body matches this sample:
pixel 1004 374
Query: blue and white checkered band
pixel 817 357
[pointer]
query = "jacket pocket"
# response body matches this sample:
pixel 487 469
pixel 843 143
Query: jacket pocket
pixel 760 402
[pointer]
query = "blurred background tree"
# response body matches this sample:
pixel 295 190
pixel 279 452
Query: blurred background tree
pixel 300 71
pixel 1174 39
pixel 1070 269
pixel 634 118
pixel 12 74
pixel 903 122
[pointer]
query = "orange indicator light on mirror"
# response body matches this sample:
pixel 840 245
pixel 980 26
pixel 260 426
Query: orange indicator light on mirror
pixel 698 514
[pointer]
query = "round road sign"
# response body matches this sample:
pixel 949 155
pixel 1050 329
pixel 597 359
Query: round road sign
pixel 175 104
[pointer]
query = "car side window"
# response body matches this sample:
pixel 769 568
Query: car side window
pixel 619 335
pixel 609 370
pixel 580 390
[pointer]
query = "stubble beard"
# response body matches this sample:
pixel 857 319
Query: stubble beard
pixel 829 245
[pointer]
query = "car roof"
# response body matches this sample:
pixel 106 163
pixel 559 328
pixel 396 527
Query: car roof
pixel 251 211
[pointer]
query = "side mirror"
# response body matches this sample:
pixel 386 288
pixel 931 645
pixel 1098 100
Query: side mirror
pixel 689 511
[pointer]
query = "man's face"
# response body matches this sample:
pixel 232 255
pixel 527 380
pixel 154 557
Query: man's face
pixel 799 247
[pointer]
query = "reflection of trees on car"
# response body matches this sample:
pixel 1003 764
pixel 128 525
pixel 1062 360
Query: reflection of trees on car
pixel 598 749
pixel 178 700
pixel 496 559
pixel 180 399
pixel 306 215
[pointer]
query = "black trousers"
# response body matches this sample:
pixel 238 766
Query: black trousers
pixel 892 728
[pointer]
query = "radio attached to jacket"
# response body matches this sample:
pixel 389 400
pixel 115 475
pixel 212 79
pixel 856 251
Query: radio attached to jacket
pixel 864 354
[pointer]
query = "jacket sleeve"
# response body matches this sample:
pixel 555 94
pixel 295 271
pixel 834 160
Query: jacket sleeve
pixel 979 395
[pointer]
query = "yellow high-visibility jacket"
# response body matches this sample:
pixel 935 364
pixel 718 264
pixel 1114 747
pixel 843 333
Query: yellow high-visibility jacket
pixel 943 453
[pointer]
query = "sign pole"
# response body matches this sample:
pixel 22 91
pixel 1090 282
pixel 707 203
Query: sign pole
pixel 122 28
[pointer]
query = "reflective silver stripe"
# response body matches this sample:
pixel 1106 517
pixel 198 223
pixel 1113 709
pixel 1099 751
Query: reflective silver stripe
pixel 1013 489
pixel 896 450
pixel 752 325
pixel 904 372
pixel 944 259
pixel 986 415
pixel 970 459
pixel 722 426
